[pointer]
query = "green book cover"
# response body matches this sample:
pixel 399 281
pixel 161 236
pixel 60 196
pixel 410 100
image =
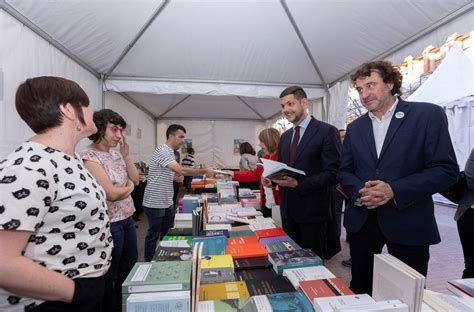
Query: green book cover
pixel 158 276
pixel 286 245
pixel 187 238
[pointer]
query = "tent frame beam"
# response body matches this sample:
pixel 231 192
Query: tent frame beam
pixel 251 108
pixel 134 102
pixel 211 119
pixel 25 21
pixel 173 106
pixel 303 42
pixel 232 82
pixel 427 30
pixel 138 36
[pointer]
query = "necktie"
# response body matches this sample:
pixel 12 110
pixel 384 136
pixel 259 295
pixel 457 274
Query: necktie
pixel 294 145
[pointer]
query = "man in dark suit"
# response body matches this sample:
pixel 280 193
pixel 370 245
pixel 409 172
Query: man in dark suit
pixel 394 158
pixel 306 205
pixel 465 219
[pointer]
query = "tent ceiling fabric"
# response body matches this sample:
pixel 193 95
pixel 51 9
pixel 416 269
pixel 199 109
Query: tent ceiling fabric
pixel 244 48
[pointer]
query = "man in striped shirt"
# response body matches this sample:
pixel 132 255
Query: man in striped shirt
pixel 158 197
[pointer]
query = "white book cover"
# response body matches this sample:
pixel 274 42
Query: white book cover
pixel 276 170
pixel 324 304
pixel 227 227
pixel 306 274
pixel 445 302
pixel 462 287
pixel 391 281
pixel 385 306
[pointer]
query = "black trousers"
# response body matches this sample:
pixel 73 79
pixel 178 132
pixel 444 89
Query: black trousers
pixel 370 241
pixel 306 235
pixel 466 235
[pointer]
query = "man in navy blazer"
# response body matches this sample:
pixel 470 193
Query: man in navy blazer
pixel 393 159
pixel 306 206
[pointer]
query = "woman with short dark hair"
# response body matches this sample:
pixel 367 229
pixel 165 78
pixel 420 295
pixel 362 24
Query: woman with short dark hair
pixel 55 242
pixel 116 173
pixel 248 158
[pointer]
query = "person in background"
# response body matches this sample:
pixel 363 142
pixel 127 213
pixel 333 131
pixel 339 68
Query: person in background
pixel 394 158
pixel 55 241
pixel 158 197
pixel 248 159
pixel 117 174
pixel 312 146
pixel 269 196
pixel 465 219
pixel 188 162
pixel 177 180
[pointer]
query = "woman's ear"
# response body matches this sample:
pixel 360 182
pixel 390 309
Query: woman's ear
pixel 67 111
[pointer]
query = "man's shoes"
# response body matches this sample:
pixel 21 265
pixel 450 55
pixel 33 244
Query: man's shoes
pixel 347 263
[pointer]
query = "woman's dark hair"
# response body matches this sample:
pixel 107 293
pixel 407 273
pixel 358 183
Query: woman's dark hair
pixel 389 72
pixel 246 148
pixel 101 119
pixel 38 100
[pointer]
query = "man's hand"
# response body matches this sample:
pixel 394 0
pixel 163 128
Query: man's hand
pixel 178 178
pixel 267 183
pixel 287 182
pixel 375 193
pixel 210 173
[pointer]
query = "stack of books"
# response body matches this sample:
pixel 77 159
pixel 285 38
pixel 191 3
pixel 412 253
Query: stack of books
pixel 183 220
pixel 150 277
pixel 394 279
pixel 217 269
pixel 328 287
pixel 444 302
pixel 297 275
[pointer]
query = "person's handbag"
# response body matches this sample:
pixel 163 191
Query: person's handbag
pixel 455 192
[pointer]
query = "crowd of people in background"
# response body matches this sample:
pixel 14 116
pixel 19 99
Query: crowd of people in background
pixel 68 240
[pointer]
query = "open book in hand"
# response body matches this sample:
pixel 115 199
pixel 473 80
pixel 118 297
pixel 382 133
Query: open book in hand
pixel 275 170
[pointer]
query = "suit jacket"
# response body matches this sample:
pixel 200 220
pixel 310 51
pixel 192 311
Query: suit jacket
pixel 317 155
pixel 467 198
pixel 417 160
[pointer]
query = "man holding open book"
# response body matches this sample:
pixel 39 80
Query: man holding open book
pixel 311 146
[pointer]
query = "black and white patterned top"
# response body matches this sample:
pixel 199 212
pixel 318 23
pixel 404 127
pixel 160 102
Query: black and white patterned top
pixel 52 195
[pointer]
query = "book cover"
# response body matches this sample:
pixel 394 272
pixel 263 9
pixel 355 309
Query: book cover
pixel 307 273
pixel 208 233
pixel 242 233
pixel 231 305
pixel 217 275
pixel 246 251
pixel 158 276
pixel 275 239
pixel 196 275
pixel 252 263
pixel 263 281
pixel 178 301
pixel 331 303
pixel 286 245
pixel 243 240
pixel 217 261
pixel 282 260
pixel 172 254
pixel 223 291
pixel 462 287
pixel 275 170
pixel 324 288
pixel 289 301
pixel 187 238
pixel 213 245
pixel 180 231
pixel 270 233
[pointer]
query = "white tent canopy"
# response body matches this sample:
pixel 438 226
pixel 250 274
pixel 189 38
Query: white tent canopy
pixel 223 60
pixel 452 86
